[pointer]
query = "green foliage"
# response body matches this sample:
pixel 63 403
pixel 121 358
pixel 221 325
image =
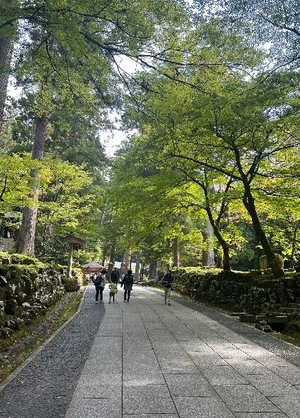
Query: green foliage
pixel 268 25
pixel 66 205
pixel 16 183
pixel 71 284
pixel 67 199
pixel 215 130
pixel 14 258
pixel 223 131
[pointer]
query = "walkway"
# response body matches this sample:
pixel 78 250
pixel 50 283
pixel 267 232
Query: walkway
pixel 152 360
pixel 149 360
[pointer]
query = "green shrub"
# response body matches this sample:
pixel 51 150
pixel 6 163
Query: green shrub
pixel 71 284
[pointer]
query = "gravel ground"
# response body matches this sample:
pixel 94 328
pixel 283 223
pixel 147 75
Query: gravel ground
pixel 44 387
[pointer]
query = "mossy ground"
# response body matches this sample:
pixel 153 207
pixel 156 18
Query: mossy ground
pixel 291 338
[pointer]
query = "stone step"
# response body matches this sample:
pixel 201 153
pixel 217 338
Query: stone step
pixel 294 305
pixel 270 319
pixel 244 317
pixel 287 309
pixel 238 313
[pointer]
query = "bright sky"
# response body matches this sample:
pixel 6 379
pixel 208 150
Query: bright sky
pixel 111 140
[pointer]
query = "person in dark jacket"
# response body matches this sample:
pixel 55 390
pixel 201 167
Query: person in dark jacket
pixel 99 283
pixel 115 276
pixel 127 282
pixel 167 283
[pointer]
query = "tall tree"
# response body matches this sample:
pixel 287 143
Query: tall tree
pixel 65 205
pixel 26 238
pixel 7 36
pixel 272 25
pixel 227 124
pixel 78 49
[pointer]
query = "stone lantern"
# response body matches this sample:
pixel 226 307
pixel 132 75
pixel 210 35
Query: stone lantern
pixel 75 243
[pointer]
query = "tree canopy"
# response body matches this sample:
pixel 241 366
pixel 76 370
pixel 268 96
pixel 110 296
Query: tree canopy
pixel 212 166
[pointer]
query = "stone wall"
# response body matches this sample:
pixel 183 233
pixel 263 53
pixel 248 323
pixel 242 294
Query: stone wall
pixel 27 289
pixel 252 292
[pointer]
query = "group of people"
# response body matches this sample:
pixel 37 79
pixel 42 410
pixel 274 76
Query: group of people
pixel 100 281
pixel 127 282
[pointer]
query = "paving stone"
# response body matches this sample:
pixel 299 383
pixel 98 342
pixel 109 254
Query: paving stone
pixel 223 375
pixel 92 408
pixel 151 416
pixel 141 379
pixel 270 384
pixel 176 364
pixel 246 366
pixel 288 404
pixel 150 399
pixel 207 359
pixel 245 398
pixel 258 415
pixel 289 373
pixel 188 385
pixel 101 386
pixel 201 407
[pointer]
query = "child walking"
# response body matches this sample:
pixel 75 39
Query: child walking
pixel 112 292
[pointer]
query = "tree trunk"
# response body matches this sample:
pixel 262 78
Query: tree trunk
pixel 137 267
pixel 215 227
pixel 111 260
pixel 248 201
pixel 219 258
pixel 25 244
pixel 176 255
pixel 39 138
pixel 70 261
pixel 6 49
pixel 126 262
pixel 208 254
pixel 294 240
pixel 152 270
pixel 221 241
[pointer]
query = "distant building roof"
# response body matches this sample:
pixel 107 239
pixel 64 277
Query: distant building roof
pixel 92 267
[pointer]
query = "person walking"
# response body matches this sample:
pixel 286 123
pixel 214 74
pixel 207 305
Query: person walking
pixel 113 290
pixel 127 282
pixel 99 283
pixel 115 276
pixel 167 283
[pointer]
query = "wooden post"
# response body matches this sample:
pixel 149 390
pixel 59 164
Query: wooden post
pixel 74 243
pixel 70 263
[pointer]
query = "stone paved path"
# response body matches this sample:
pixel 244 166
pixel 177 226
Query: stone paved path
pixel 158 361
pixel 144 359
pixel 44 385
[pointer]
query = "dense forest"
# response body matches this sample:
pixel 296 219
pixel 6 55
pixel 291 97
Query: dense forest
pixel 208 94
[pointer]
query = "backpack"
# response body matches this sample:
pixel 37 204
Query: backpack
pixel 128 279
pixel 114 276
pixel 98 280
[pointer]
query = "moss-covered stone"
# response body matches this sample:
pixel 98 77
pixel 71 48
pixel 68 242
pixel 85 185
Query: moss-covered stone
pixel 27 290
pixel 237 291
pixel 71 284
